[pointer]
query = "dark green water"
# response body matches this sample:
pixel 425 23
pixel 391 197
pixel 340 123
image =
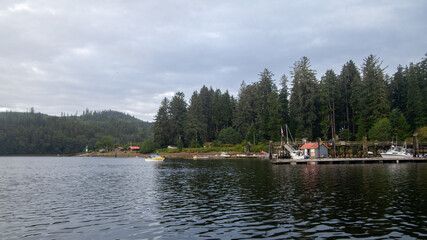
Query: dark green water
pixel 128 198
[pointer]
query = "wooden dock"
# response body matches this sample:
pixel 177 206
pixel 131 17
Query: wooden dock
pixel 359 149
pixel 315 161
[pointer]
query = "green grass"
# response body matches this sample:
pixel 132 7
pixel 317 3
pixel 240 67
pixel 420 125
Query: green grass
pixel 238 148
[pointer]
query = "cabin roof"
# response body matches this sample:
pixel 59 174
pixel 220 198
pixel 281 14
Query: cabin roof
pixel 312 145
pixel 134 147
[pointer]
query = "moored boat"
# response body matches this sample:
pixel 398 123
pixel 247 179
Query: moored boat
pixel 396 152
pixel 225 155
pixel 154 157
pixel 294 153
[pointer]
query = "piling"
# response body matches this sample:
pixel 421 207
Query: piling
pixel 415 146
pixel 365 146
pixel 270 150
pixel 334 152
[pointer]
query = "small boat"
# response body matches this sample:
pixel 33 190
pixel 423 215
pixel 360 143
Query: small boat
pixel 396 152
pixel 225 155
pixel 155 157
pixel 264 155
pixel 297 154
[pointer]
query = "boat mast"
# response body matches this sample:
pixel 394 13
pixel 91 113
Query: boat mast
pixel 287 139
pixel 281 137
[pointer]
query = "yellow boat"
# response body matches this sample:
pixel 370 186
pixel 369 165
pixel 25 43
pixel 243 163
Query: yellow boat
pixel 155 157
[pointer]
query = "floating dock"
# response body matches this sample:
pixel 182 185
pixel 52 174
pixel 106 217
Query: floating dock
pixel 315 161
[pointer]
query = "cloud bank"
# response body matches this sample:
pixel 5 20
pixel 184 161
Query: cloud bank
pixel 66 56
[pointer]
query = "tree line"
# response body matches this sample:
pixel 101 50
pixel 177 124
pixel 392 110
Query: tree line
pixel 36 133
pixel 349 105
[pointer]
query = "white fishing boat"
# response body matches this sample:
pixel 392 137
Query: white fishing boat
pixel 396 152
pixel 295 154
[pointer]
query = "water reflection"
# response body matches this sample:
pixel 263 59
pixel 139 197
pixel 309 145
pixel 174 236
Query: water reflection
pixel 358 200
pixel 247 198
pixel 69 198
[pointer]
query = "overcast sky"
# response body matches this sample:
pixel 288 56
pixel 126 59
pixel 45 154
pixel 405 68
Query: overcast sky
pixel 66 56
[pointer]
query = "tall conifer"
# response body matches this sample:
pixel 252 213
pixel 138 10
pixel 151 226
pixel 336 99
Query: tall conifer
pixel 178 111
pixel 373 101
pixel 283 102
pixel 303 98
pixel 350 82
pixel 161 128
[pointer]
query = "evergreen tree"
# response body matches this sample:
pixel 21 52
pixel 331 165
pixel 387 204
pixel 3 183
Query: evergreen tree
pixel 283 102
pixel 266 105
pixel 272 121
pixel 381 130
pixel 222 111
pixel 244 115
pixel 229 136
pixel 357 102
pixel 161 128
pixel 265 87
pixel 330 97
pixel 415 104
pixel 196 124
pixel 178 111
pixel 400 127
pixel 373 102
pixel 227 109
pixel 148 146
pixel 217 110
pixel 251 135
pixel 205 102
pixel 349 78
pixel 303 99
pixel 422 73
pixel 105 142
pixel 36 133
pixel 399 91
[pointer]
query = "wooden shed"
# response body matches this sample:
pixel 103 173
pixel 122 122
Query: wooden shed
pixel 315 150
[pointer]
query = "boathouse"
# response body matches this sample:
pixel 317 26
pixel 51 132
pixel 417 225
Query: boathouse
pixel 315 150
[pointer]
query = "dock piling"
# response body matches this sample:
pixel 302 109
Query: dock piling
pixel 415 146
pixel 365 146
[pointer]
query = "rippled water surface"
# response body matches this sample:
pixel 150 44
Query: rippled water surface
pixel 128 198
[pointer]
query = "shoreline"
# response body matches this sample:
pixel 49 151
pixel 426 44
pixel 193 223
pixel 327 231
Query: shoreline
pixel 181 155
pixel 212 156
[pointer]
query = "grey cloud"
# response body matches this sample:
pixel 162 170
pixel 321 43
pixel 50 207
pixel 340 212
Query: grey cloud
pixel 62 56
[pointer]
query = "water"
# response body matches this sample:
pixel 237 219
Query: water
pixel 128 198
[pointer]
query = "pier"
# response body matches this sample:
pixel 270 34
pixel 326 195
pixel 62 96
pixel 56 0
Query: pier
pixel 348 152
pixel 315 161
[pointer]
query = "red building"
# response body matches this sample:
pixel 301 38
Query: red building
pixel 315 150
pixel 133 148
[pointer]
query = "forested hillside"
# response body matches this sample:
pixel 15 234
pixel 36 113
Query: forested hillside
pixel 349 105
pixel 36 133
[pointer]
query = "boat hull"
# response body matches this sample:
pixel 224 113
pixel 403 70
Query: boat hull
pixel 396 156
pixel 153 160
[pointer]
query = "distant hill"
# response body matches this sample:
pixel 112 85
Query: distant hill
pixel 37 133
